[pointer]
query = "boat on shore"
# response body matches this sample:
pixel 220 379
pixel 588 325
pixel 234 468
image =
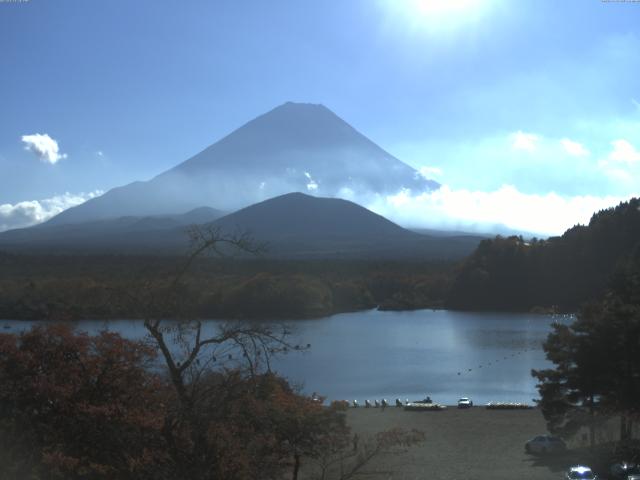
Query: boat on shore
pixel 508 406
pixel 424 407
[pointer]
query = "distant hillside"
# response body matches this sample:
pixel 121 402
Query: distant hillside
pixel 294 147
pixel 294 226
pixel 296 215
pixel 513 274
pixel 121 235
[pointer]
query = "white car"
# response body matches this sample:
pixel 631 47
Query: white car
pixel 465 402
pixel 545 444
pixel 580 472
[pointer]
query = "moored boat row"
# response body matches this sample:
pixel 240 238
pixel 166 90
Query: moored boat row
pixel 428 405
pixel 507 406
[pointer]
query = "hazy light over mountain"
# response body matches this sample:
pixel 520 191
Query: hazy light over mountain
pixel 294 147
pixel 494 96
pixel 294 225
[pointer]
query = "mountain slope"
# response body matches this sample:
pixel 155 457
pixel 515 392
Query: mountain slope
pixel 297 225
pixel 302 216
pixel 294 147
pixel 110 235
pixel 293 225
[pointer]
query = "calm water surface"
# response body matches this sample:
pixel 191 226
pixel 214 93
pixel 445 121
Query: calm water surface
pixel 372 354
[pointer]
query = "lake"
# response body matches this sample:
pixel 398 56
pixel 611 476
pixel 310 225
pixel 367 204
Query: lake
pixel 374 354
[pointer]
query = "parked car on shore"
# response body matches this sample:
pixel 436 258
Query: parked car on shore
pixel 580 472
pixel 624 471
pixel 543 444
pixel 465 402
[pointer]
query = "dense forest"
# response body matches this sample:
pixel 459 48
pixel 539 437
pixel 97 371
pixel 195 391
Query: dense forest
pixel 558 274
pixel 504 273
pixel 74 287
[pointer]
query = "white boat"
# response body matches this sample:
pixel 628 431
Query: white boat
pixel 424 407
pixel 507 406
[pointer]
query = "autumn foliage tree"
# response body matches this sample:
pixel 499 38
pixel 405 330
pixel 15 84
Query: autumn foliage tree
pixel 79 406
pixel 195 401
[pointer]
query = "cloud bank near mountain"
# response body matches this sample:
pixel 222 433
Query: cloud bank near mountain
pixel 478 211
pixel 504 209
pixel 31 212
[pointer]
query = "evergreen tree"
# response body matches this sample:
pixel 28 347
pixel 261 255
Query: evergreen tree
pixel 597 360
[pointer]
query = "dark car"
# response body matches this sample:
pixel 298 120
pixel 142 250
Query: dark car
pixel 624 470
pixel 545 444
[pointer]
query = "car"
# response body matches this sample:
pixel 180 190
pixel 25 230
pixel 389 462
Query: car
pixel 465 402
pixel 580 472
pixel 545 444
pixel 624 470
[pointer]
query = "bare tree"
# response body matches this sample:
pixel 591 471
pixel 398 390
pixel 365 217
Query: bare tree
pixel 193 351
pixel 208 367
pixel 337 460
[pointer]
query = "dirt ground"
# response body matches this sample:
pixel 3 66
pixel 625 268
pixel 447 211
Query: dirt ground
pixel 463 444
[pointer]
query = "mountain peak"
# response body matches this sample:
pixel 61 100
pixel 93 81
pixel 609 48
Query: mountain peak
pixel 293 147
pixel 295 125
pixel 302 105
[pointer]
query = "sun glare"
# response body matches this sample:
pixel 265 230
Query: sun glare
pixel 437 15
pixel 442 7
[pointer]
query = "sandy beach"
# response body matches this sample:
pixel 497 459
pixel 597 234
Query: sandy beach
pixel 474 443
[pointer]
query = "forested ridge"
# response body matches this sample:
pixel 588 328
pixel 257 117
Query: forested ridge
pixel 58 287
pixel 504 273
pixel 559 273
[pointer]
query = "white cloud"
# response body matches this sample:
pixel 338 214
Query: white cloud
pixel 429 172
pixel 445 208
pixel 621 165
pixel 32 212
pixel 624 152
pixel 619 175
pixel 45 147
pixel 574 148
pixel 524 141
pixel 312 186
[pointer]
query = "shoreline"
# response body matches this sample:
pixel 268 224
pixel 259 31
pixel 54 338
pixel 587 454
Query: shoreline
pixel 298 318
pixel 473 443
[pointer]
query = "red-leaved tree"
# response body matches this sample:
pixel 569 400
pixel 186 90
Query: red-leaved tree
pixel 79 406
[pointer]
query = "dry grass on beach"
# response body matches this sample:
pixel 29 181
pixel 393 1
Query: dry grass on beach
pixel 462 444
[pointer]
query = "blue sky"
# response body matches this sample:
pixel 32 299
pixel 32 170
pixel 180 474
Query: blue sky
pixel 532 101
